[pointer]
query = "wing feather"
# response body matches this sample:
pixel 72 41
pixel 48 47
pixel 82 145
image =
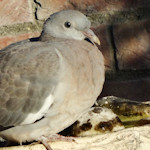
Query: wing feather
pixel 28 74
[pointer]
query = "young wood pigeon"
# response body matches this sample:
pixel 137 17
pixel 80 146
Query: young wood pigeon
pixel 48 83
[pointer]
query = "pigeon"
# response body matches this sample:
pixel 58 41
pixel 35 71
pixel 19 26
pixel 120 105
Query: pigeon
pixel 47 83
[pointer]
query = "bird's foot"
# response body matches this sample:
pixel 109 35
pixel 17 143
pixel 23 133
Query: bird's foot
pixel 44 140
pixel 52 138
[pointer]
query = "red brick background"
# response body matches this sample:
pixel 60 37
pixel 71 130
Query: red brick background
pixel 15 11
pixel 123 27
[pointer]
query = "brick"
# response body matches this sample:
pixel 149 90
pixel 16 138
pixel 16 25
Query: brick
pixel 131 89
pixel 108 5
pixel 102 31
pixel 15 11
pixel 47 7
pixel 132 42
pixel 7 40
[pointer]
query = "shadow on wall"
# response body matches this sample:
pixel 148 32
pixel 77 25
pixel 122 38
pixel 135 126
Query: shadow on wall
pixel 137 90
pixel 133 55
pixel 132 43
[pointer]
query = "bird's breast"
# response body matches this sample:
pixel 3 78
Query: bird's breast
pixel 82 70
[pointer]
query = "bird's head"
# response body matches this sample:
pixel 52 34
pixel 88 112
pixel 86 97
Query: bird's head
pixel 69 24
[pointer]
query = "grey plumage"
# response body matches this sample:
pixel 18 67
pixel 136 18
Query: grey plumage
pixel 57 77
pixel 22 86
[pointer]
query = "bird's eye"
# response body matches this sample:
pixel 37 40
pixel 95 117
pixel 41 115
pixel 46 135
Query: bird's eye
pixel 67 24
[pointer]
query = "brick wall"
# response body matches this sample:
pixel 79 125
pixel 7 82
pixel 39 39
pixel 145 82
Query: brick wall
pixel 123 27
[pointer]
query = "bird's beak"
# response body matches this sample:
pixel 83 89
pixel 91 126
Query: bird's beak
pixel 91 36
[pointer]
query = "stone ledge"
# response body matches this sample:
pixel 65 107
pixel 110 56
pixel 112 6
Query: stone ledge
pixel 132 138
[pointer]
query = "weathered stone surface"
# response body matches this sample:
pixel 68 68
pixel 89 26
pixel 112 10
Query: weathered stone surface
pixel 15 11
pixel 132 41
pixel 5 41
pixel 102 31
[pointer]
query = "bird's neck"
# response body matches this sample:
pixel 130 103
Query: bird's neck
pixel 46 37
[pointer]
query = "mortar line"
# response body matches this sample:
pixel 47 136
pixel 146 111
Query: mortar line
pixel 115 50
